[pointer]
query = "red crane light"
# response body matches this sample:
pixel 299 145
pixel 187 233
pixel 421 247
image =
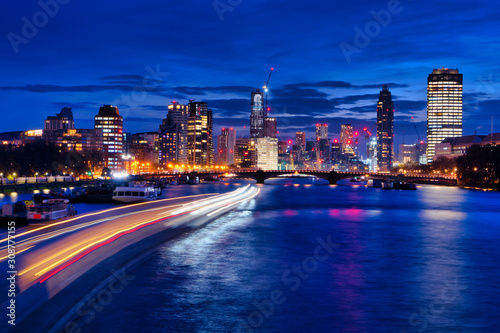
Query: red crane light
pixel 356 133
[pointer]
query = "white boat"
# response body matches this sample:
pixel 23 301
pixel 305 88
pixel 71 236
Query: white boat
pixel 50 209
pixel 131 194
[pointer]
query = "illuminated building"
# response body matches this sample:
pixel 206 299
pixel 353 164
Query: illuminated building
pixel 346 139
pixel 226 146
pixel 143 147
pixel 245 153
pixel 200 134
pixel 257 115
pixel 270 127
pixel 321 132
pixel 300 140
pixel 267 153
pixel 173 135
pixel 111 123
pixel 61 121
pixel 385 129
pixel 444 107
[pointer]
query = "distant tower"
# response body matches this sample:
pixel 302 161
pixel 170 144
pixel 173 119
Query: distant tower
pixel 258 115
pixel 444 107
pixel 321 132
pixel 346 138
pixel 385 130
pixel 300 139
pixel 111 123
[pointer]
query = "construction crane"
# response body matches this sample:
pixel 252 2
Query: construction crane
pixel 266 87
pixel 416 130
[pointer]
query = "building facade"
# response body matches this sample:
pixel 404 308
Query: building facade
pixel 61 121
pixel 257 115
pixel 300 140
pixel 385 130
pixel 346 139
pixel 173 135
pixel 226 146
pixel 321 132
pixel 267 153
pixel 109 121
pixel 200 135
pixel 444 107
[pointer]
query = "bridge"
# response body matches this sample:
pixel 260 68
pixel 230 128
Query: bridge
pixel 332 177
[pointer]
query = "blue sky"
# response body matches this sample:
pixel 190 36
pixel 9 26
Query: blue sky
pixel 141 55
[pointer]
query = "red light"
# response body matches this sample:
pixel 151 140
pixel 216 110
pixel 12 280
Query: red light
pixel 220 151
pixel 223 128
pixel 289 142
pixel 356 133
pixel 365 129
pixel 272 68
pixel 268 109
pixel 231 128
pixel 335 141
pixel 231 151
pixel 421 142
pixel 349 141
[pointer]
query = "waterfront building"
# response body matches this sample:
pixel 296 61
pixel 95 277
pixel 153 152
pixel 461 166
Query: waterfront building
pixel 173 135
pixel 245 153
pixel 226 146
pixel 109 121
pixel 267 153
pixel 444 107
pixel 385 129
pixel 200 134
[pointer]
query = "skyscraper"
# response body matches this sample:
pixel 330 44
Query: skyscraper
pixel 321 132
pixel 346 136
pixel 385 129
pixel 200 134
pixel 258 115
pixel 111 123
pixel 444 107
pixel 226 146
pixel 300 139
pixel 173 136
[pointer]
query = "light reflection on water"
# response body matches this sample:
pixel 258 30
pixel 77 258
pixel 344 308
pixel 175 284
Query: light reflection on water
pixel 405 259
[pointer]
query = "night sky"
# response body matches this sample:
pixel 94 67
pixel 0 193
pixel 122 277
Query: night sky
pixel 141 55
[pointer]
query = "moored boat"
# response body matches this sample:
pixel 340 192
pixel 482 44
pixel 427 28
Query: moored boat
pixel 130 194
pixel 50 209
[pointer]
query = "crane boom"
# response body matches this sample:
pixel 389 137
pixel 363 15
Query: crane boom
pixel 416 130
pixel 269 78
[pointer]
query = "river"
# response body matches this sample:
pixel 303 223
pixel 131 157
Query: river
pixel 309 257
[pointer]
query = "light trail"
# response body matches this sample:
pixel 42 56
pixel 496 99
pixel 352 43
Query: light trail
pixel 104 211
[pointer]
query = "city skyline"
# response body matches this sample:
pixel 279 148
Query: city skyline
pixel 322 87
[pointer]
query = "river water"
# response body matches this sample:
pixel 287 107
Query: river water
pixel 318 258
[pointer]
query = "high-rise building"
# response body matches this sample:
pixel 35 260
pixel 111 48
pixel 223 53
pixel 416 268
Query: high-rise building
pixel 444 107
pixel 111 123
pixel 200 134
pixel 173 135
pixel 321 132
pixel 270 128
pixel 245 153
pixel 267 153
pixel 226 146
pixel 346 139
pixel 61 121
pixel 300 140
pixel 385 129
pixel 258 115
